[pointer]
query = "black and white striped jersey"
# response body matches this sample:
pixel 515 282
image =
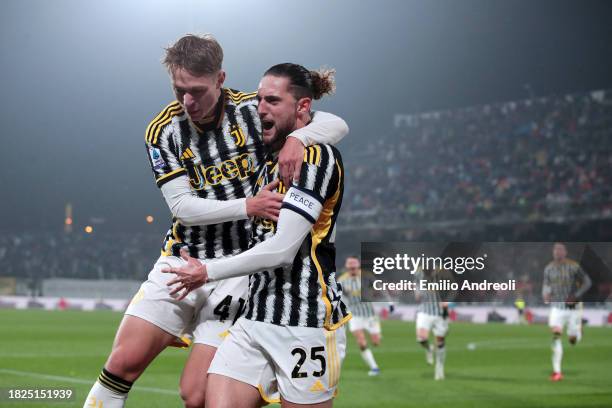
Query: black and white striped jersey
pixel 220 159
pixel 565 281
pixel 306 292
pixel 429 300
pixel 351 295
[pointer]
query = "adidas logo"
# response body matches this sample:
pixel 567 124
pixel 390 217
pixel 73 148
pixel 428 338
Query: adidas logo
pixel 318 387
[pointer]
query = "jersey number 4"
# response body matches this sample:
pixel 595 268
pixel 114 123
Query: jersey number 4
pixel 223 309
pixel 314 355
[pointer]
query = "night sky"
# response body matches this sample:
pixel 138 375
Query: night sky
pixel 81 80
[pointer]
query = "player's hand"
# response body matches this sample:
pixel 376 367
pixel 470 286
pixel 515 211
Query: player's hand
pixel 571 301
pixel 188 277
pixel 290 160
pixel 444 306
pixel 546 299
pixel 266 204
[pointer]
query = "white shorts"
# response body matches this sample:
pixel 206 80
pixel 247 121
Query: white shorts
pixel 221 310
pixel 204 315
pixel 437 324
pixel 562 317
pixel 301 363
pixel 370 324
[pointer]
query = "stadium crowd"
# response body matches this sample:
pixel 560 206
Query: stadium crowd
pixel 44 255
pixel 529 165
pixel 531 160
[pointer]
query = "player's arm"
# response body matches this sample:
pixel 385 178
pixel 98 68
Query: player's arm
pixel 272 253
pixel 171 177
pixel 301 208
pixel 444 306
pixel 325 128
pixel 585 284
pixel 192 210
pixel 277 251
pixel 417 280
pixel 546 288
pixel 450 295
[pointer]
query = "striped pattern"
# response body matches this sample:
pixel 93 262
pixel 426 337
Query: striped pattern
pixel 161 120
pixel 219 166
pixel 312 155
pixel 187 155
pixel 114 383
pixel 429 299
pixel 333 361
pixel 305 293
pixel 564 279
pixel 239 97
pixel 170 176
pixel 351 295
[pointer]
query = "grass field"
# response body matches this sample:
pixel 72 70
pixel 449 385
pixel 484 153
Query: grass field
pixel 508 368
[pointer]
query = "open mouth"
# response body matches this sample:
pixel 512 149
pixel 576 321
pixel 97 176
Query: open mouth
pixel 267 124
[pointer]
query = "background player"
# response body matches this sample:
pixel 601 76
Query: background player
pixel 519 304
pixel 291 333
pixel 432 315
pixel 203 149
pixel 364 317
pixel 565 282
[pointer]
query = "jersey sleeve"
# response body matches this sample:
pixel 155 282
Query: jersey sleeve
pixel 319 180
pixel 162 148
pixel 584 282
pixel 418 275
pixel 324 128
pixel 546 288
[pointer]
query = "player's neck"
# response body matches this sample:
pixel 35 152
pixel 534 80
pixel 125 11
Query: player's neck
pixel 274 149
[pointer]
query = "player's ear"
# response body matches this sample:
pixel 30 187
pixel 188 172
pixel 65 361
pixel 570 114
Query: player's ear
pixel 303 105
pixel 220 78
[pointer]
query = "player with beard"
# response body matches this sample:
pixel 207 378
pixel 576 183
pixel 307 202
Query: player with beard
pixel 204 149
pixel 565 282
pixel 292 333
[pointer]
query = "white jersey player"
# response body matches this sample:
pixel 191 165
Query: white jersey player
pixel 364 317
pixel 432 316
pixel 565 282
pixel 291 335
pixel 203 149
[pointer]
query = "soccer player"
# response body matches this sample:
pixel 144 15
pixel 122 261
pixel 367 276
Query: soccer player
pixel 364 318
pixel 519 304
pixel 292 333
pixel 203 149
pixel 565 282
pixel 432 315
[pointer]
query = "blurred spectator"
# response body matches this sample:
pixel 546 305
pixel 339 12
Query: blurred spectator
pixel 542 159
pixel 40 255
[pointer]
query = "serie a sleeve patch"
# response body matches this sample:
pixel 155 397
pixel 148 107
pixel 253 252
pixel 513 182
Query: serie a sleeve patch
pixel 304 203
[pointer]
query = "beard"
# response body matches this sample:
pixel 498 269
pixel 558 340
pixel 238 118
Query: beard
pixel 276 142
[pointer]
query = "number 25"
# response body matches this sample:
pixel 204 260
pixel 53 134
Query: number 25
pixel 314 355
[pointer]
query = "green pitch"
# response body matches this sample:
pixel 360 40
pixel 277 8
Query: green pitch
pixel 508 367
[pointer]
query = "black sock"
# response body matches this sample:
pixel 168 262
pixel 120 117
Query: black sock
pixel 114 383
pixel 425 344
